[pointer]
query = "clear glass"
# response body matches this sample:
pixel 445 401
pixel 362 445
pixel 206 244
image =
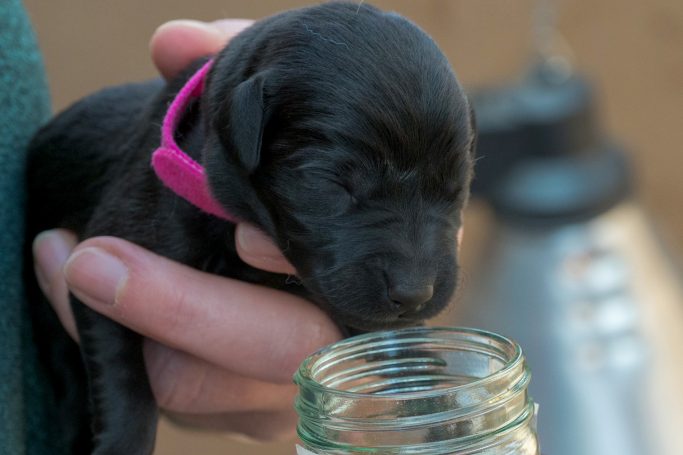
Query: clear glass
pixel 422 390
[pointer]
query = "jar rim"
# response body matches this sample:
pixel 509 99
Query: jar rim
pixel 303 376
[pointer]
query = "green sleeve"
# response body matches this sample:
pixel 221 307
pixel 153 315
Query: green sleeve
pixel 26 411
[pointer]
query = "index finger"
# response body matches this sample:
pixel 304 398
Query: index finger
pixel 251 330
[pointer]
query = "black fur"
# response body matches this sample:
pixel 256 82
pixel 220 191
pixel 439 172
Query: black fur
pixel 340 130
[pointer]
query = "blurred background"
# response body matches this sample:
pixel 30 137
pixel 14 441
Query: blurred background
pixel 630 52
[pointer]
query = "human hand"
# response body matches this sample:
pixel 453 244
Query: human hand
pixel 220 353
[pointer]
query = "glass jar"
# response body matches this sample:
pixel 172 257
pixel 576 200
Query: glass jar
pixel 424 390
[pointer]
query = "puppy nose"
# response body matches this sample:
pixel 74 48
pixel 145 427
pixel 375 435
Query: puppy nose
pixel 410 298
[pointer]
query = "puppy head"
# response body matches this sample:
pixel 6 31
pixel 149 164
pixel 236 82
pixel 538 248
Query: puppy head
pixel 349 140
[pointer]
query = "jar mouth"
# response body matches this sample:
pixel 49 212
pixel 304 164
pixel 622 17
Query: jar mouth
pixel 312 372
pixel 418 388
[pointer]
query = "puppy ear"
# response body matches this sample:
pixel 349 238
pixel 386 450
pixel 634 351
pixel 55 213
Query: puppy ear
pixel 246 118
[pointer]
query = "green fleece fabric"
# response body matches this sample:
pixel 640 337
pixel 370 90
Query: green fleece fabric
pixel 26 411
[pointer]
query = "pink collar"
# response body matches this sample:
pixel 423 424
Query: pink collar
pixel 179 172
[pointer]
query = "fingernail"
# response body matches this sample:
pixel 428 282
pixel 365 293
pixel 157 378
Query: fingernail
pixel 204 27
pixel 220 27
pixel 231 26
pixel 188 23
pixel 256 242
pixel 50 252
pixel 95 274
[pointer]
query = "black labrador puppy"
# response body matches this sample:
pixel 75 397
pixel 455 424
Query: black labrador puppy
pixel 338 129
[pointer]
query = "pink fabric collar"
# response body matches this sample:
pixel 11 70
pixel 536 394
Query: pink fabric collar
pixel 176 169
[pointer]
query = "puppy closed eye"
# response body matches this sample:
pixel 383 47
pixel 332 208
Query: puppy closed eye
pixel 328 198
pixel 349 193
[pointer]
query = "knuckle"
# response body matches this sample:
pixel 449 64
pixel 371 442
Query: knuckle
pixel 160 307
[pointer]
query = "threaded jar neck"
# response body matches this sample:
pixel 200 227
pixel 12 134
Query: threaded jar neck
pixel 422 390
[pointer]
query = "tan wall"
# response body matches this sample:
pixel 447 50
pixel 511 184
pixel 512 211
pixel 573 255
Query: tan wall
pixel 631 48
